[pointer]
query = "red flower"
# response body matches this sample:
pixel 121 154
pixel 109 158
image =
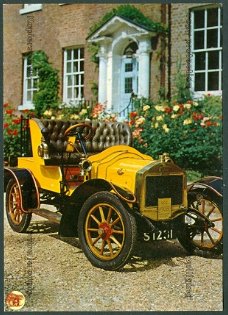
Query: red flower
pixel 168 110
pixel 10 132
pixel 9 111
pixel 6 125
pixel 133 115
pixel 5 105
pixel 15 132
pixel 16 121
pixel 208 123
pixel 197 116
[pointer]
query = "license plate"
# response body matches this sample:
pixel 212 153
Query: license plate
pixel 161 235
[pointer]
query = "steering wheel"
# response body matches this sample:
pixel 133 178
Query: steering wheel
pixel 72 131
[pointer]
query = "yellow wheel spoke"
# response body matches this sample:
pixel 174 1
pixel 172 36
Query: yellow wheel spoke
pixel 95 219
pixel 110 247
pixel 210 212
pixel 117 231
pixel 102 214
pixel 216 230
pixel 96 240
pixel 116 220
pixel 215 220
pixel 212 241
pixel 92 229
pixel 102 247
pixel 202 241
pixel 203 206
pixel 115 241
pixel 109 215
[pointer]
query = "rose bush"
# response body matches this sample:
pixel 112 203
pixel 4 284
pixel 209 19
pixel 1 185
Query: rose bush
pixel 191 132
pixel 11 130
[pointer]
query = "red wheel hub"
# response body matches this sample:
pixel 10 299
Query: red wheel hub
pixel 105 230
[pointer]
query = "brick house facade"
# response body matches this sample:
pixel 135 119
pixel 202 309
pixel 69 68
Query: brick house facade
pixel 62 32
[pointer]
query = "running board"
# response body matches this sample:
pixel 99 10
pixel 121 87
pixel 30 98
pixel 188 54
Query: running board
pixel 47 214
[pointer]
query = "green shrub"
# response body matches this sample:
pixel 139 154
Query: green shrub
pixel 191 133
pixel 48 83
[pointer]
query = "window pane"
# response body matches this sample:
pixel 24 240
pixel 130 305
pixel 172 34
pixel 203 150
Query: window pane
pixel 76 92
pixel 29 72
pixel 81 53
pixel 128 67
pixel 76 79
pixel 82 92
pixel 29 96
pixel 69 93
pixel 212 17
pixel 75 66
pixel 200 61
pixel 200 82
pixel 212 38
pixel 69 54
pixel 199 19
pixel 221 38
pixel 68 67
pixel 213 81
pixel 82 79
pixel 35 83
pixel 213 60
pixel 128 85
pixel 69 80
pixel 199 40
pixel 29 83
pixel 76 53
pixel 81 66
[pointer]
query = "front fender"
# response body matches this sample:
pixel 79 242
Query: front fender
pixel 28 189
pixel 211 186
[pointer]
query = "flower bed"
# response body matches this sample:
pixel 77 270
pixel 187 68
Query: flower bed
pixel 191 133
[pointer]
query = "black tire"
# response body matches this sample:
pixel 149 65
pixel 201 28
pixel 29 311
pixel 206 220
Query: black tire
pixel 197 236
pixel 18 220
pixel 107 231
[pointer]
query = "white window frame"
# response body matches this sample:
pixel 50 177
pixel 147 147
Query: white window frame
pixel 28 104
pixel 200 94
pixel 80 85
pixel 27 8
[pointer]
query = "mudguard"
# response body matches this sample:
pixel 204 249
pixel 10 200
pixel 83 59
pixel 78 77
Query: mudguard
pixel 211 186
pixel 68 223
pixel 28 188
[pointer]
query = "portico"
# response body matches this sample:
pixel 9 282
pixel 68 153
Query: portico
pixel 124 62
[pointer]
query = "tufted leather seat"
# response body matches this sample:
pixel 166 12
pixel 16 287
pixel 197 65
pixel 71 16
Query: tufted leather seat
pixel 105 135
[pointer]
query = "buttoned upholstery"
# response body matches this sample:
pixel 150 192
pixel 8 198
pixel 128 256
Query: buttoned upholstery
pixel 105 135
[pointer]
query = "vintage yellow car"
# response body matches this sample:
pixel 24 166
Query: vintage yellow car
pixel 107 193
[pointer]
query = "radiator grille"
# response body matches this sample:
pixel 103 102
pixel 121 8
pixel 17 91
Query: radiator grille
pixel 163 187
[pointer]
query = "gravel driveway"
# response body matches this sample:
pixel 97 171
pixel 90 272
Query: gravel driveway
pixel 54 275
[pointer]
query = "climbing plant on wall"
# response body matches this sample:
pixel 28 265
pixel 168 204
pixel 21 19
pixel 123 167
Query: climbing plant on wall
pixel 48 83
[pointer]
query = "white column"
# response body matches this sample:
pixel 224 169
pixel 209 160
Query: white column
pixel 144 67
pixel 102 87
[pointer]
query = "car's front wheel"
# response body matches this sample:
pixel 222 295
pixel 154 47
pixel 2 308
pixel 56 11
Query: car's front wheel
pixel 107 231
pixel 203 225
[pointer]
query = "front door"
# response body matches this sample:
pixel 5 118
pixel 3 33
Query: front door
pixel 129 83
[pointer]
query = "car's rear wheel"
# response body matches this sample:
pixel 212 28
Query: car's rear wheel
pixel 18 220
pixel 203 228
pixel 107 231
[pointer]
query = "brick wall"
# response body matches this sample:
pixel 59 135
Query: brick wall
pixel 54 28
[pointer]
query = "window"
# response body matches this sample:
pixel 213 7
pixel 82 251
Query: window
pixel 206 51
pixel 31 8
pixel 30 83
pixel 73 90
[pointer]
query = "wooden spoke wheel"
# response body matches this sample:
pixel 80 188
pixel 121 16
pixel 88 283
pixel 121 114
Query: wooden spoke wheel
pixel 107 231
pixel 203 227
pixel 18 220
